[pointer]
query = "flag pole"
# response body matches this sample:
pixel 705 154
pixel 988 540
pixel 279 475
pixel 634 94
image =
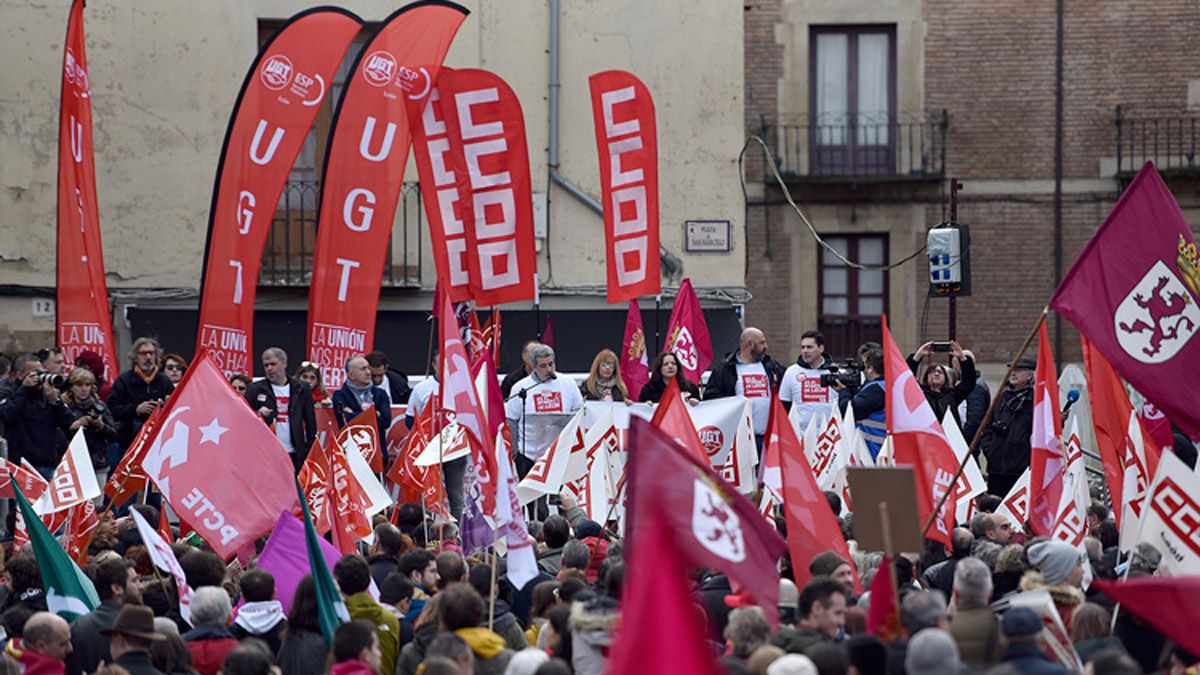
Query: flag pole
pixel 492 595
pixel 987 418
pixel 657 311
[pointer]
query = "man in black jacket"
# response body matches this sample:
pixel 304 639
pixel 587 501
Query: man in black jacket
pixel 357 394
pixel 285 404
pixel 117 584
pixel 32 416
pixel 1005 441
pixel 393 382
pixel 751 372
pixel 138 390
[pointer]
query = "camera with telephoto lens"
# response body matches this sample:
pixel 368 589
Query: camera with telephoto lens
pixel 848 373
pixel 53 379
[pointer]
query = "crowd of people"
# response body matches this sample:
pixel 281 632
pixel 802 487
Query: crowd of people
pixel 419 605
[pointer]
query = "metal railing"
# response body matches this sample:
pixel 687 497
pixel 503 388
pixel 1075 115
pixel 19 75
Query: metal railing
pixel 288 257
pixel 881 146
pixel 1167 139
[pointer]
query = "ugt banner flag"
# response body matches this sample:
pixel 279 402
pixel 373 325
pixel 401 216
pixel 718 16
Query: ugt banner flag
pixel 1134 293
pixel 83 318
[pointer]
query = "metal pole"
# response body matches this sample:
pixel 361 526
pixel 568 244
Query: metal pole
pixel 1058 162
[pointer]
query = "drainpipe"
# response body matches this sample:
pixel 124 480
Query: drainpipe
pixel 1058 166
pixel 672 266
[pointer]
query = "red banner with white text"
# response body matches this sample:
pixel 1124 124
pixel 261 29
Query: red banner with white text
pixel 434 148
pixel 83 317
pixel 627 143
pixel 280 96
pixel 364 173
pixel 491 164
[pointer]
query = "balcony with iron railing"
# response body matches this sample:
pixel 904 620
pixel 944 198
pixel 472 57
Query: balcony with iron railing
pixel 858 147
pixel 288 257
pixel 1167 139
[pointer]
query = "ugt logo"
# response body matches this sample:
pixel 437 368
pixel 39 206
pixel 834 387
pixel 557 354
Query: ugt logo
pixel 1158 317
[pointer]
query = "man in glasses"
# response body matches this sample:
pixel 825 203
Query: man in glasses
pixel 285 404
pixel 138 390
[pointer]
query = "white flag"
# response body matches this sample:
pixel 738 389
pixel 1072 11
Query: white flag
pixel 550 470
pixel 164 559
pixel 74 481
pixel 1015 506
pixel 1171 517
pixel 970 483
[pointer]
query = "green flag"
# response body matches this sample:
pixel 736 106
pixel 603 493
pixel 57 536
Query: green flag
pixel 69 593
pixel 331 610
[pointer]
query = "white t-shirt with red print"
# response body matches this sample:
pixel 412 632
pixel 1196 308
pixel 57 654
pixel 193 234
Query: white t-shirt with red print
pixel 283 397
pixel 802 387
pixel 754 383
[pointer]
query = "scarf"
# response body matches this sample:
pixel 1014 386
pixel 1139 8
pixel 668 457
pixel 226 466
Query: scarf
pixel 363 394
pixel 485 643
pixel 146 378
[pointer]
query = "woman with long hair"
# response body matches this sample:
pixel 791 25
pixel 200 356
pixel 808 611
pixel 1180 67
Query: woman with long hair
pixel 604 381
pixel 303 649
pixel 310 374
pixel 665 368
pixel 937 382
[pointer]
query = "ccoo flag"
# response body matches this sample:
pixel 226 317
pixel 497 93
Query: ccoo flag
pixel 1134 292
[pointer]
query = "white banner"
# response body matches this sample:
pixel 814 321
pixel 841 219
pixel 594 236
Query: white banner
pixel 1015 506
pixel 970 483
pixel 1171 517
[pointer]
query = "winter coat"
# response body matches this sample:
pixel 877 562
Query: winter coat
pixel 722 382
pixel 1005 441
pixel 137 663
pixel 1029 659
pixel 491 656
pixel 797 640
pixel 302 416
pixel 505 624
pixel 97 439
pixel 387 627
pixel 32 426
pixel 977 404
pixel 1066 598
pixel 263 620
pixel 130 390
pixel 303 653
pixel 346 407
pixel 209 646
pixel 653 390
pixel 592 627
pixel 1086 649
pixel 948 399
pixel 89 646
pixel 382 566
pixel 414 652
pixel 31 662
pixel 977 632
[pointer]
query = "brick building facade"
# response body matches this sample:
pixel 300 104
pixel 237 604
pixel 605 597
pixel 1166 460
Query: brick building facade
pixel 871 107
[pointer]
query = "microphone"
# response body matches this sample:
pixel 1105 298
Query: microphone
pixel 1072 398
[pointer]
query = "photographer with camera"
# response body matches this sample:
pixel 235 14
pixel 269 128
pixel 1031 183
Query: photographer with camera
pixel 936 381
pixel 33 415
pixel 89 413
pixel 869 400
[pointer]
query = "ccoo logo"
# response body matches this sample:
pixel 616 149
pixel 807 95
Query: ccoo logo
pixel 276 72
pixel 379 68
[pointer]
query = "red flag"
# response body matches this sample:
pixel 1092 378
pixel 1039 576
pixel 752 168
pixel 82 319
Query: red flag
pixel 672 418
pixel 627 144
pixel 421 482
pixel 362 433
pixel 1157 425
pixel 548 334
pixel 687 333
pixel 81 524
pixel 280 96
pixel 313 478
pixel 658 610
pixel 218 466
pixel 345 502
pixel 1135 293
pixel 918 440
pixel 883 614
pixel 29 480
pixel 812 526
pixel 1112 416
pixel 364 171
pixel 1168 604
pixel 635 366
pixel 458 396
pixel 164 525
pixel 491 162
pixel 434 149
pixel 711 524
pixel 83 318
pixel 491 335
pixel 128 478
pixel 1047 461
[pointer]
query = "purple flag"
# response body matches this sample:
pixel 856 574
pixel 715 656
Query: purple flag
pixel 285 556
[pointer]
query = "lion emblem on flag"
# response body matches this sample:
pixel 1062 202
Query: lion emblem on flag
pixel 715 525
pixel 1158 316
